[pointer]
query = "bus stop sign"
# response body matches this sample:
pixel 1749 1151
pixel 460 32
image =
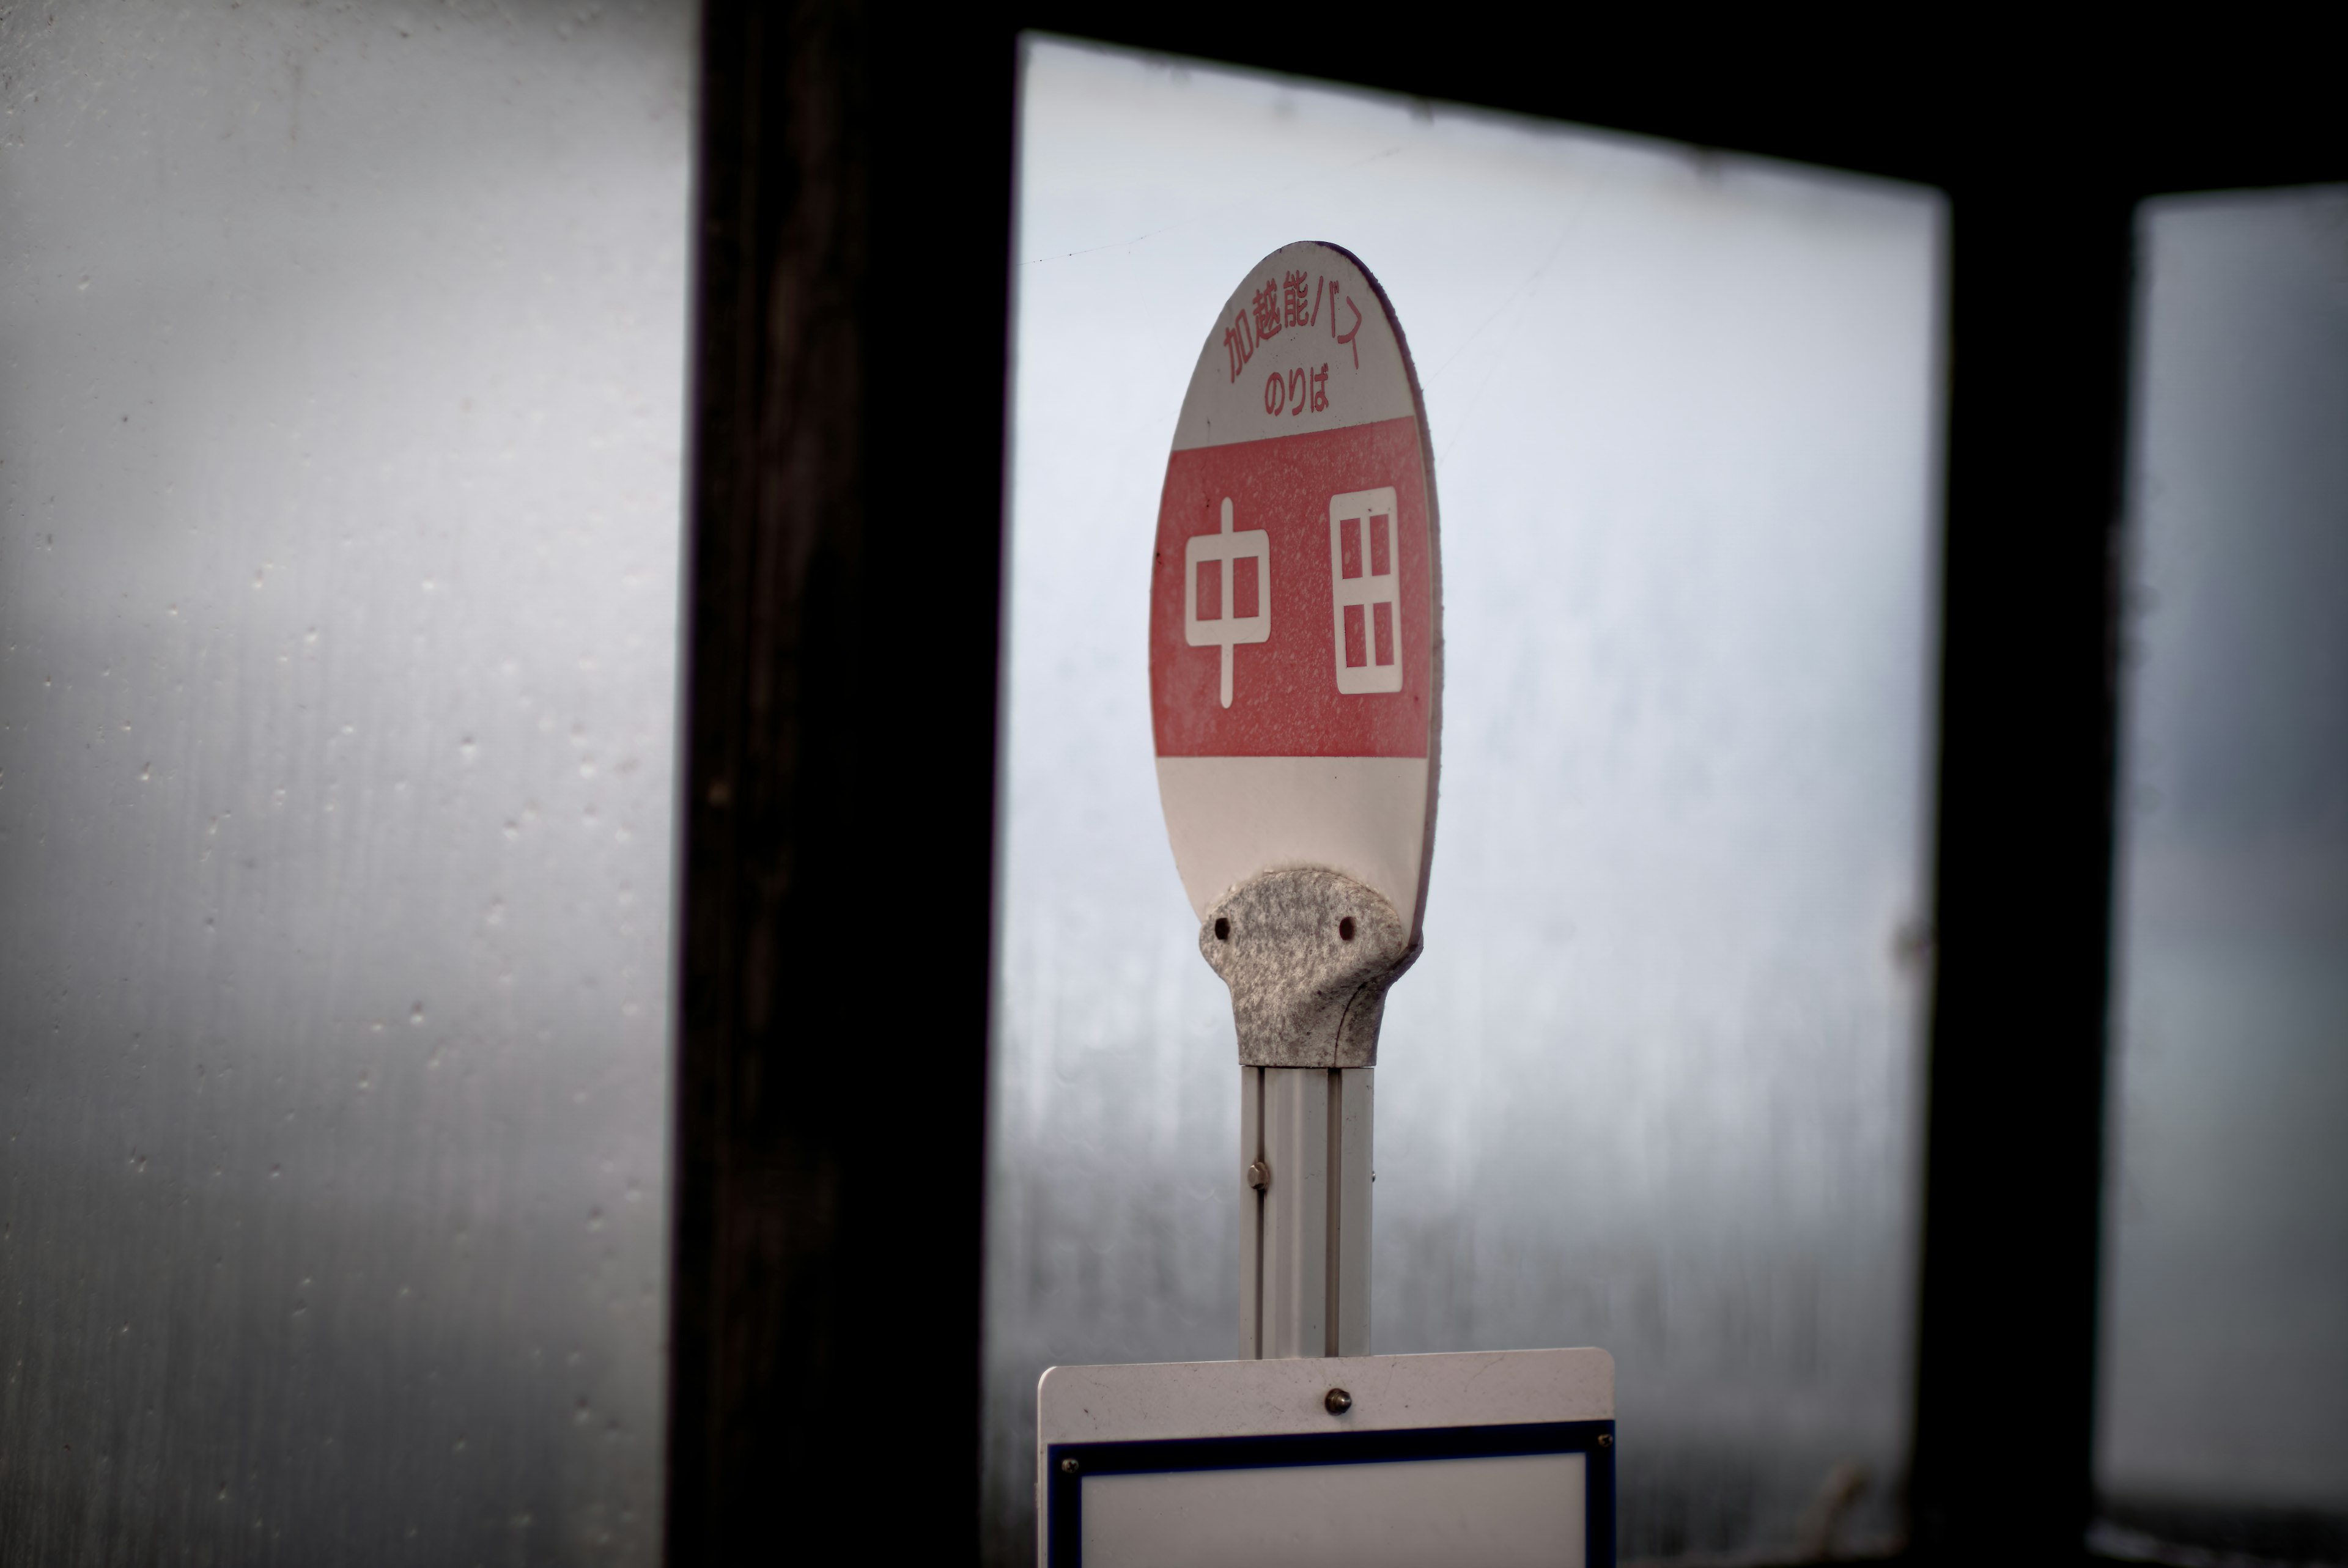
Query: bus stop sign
pixel 1296 618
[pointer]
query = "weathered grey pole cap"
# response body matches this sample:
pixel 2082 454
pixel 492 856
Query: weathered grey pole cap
pixel 1308 955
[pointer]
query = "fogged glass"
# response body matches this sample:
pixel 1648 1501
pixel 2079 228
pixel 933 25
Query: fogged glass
pixel 341 367
pixel 1653 1085
pixel 2225 1352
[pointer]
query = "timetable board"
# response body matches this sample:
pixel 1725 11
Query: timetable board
pixel 1481 1460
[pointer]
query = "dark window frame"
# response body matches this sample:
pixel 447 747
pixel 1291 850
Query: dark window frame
pixel 856 183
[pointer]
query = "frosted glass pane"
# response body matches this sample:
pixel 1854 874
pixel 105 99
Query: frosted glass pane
pixel 1653 1086
pixel 341 373
pixel 2225 1371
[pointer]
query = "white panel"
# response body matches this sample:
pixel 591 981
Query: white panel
pixel 1263 813
pixel 1257 1398
pixel 1231 407
pixel 1524 1510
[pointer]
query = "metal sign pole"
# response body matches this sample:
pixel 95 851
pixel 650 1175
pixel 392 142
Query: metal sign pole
pixel 1304 1233
pixel 1308 955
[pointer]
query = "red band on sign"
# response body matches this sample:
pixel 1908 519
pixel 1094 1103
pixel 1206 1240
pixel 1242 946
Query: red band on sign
pixel 1344 585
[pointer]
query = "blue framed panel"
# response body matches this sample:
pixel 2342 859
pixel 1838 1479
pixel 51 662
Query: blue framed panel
pixel 1070 1465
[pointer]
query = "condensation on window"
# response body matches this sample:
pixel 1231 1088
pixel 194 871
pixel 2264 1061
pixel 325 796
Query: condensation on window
pixel 2224 1386
pixel 1653 1086
pixel 342 354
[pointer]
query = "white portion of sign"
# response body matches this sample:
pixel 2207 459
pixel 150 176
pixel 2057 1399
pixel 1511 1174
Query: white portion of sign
pixel 1328 359
pixel 1365 550
pixel 1230 817
pixel 1264 1399
pixel 1520 1511
pixel 1240 560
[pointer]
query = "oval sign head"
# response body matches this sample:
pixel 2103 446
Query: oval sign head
pixel 1296 655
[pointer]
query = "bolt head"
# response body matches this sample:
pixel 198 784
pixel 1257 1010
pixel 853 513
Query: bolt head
pixel 1606 1440
pixel 1259 1175
pixel 1338 1401
pixel 1069 1466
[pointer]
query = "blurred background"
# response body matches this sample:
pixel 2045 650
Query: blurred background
pixel 342 362
pixel 2224 1375
pixel 344 407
